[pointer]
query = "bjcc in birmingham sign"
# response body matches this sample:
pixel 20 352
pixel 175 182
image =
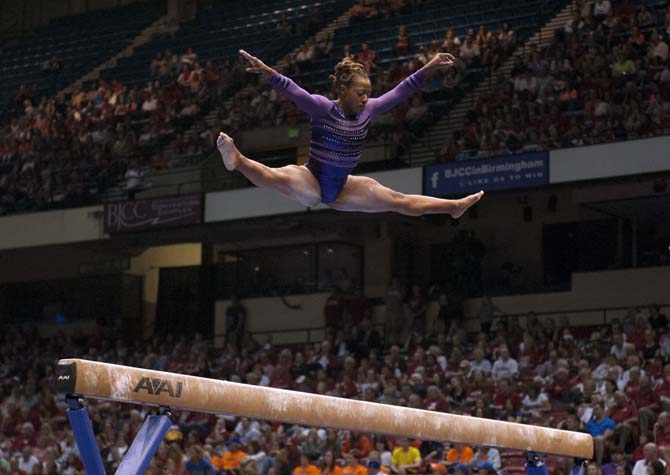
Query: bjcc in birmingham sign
pixel 153 213
pixel 502 173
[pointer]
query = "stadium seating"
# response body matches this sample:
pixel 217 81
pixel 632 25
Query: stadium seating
pixel 429 23
pixel 219 32
pixel 81 42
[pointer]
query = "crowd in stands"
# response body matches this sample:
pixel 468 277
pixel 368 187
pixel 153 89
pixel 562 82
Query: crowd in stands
pixel 67 153
pixel 603 78
pixel 261 106
pixel 60 154
pixel 612 381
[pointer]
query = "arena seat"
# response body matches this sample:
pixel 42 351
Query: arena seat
pixel 219 32
pixel 82 42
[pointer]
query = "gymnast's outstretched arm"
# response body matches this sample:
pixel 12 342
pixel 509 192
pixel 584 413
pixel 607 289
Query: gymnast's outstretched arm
pixel 408 86
pixel 312 104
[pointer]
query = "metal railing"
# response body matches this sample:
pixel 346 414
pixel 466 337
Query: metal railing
pixel 316 334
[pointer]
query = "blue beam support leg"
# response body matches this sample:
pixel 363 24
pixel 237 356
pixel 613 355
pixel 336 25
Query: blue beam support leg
pixel 144 446
pixel 88 446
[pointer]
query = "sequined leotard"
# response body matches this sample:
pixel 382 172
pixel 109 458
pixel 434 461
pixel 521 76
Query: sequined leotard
pixel 337 139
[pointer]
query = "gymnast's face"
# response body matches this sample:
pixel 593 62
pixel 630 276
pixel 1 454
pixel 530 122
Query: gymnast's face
pixel 354 97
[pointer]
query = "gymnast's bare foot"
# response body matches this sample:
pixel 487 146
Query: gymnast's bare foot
pixel 463 204
pixel 228 150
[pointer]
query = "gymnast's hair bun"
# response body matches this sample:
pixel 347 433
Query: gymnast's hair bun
pixel 345 71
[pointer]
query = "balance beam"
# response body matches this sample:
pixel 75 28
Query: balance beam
pixel 157 388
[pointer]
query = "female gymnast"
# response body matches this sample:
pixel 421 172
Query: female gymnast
pixel 338 130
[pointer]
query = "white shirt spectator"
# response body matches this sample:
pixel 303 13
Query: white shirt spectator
pixel 538 401
pixel 525 83
pixel 619 352
pixel 625 377
pixel 150 104
pixel 483 366
pixel 505 369
pixel 640 467
pixel 603 370
pixel 133 178
pixel 660 51
pixel 27 465
pixel 470 50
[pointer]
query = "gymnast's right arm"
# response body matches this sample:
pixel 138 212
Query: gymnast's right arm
pixel 312 104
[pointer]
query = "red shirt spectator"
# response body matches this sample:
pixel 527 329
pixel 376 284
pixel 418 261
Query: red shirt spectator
pixel 662 430
pixel 623 409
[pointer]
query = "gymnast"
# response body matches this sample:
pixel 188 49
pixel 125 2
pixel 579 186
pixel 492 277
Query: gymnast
pixel 338 131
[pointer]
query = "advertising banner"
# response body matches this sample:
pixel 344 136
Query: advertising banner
pixel 153 213
pixel 502 173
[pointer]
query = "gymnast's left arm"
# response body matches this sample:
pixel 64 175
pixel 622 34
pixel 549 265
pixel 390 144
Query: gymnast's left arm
pixel 409 86
pixel 312 104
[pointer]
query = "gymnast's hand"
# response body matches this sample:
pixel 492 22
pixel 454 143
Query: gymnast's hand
pixel 257 66
pixel 439 61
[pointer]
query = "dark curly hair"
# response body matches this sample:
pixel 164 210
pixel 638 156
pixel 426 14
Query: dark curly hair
pixel 345 71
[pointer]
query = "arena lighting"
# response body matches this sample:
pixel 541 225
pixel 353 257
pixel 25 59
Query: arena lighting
pixel 76 378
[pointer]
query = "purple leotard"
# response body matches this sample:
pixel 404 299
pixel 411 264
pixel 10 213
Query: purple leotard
pixel 337 139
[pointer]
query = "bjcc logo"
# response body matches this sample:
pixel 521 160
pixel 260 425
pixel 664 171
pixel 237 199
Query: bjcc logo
pixel 121 215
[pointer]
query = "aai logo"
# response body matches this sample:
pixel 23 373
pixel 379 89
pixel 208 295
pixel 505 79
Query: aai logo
pixel 156 386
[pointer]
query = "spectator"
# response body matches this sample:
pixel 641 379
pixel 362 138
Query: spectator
pixel 459 455
pixel 487 311
pixel 601 9
pixel 306 466
pixel 650 457
pixel 366 57
pixel 233 456
pixel 406 459
pixel 198 464
pixel 402 43
pixel 27 460
pixel 505 366
pixel 416 308
pixel 353 466
pixel 470 50
pixel 662 430
pixel 236 316
pixel 479 363
pixel 601 428
pixel 329 464
pixel 535 402
pixel 487 459
pixel 625 414
pixel 617 460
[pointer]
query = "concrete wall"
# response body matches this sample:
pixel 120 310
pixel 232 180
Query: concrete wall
pixel 51 228
pixel 591 292
pixel 610 160
pixel 148 265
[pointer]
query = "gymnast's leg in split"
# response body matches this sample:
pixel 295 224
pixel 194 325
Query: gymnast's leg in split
pixel 359 193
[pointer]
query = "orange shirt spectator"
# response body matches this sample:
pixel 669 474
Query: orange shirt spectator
pixel 335 470
pixel 460 454
pixel 355 470
pixel 230 460
pixel 306 470
pixel 360 443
